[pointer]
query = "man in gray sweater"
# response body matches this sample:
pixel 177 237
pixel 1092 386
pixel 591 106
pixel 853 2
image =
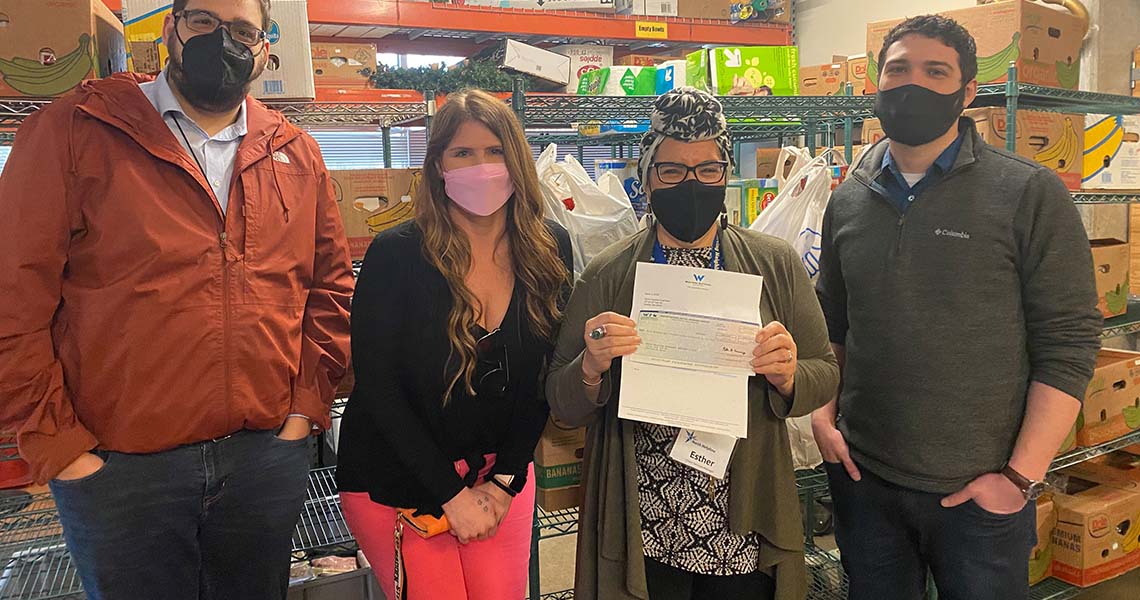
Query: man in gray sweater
pixel 957 283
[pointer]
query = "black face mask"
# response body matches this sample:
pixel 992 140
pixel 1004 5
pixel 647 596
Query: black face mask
pixel 914 115
pixel 214 71
pixel 688 209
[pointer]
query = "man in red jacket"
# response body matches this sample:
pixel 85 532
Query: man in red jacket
pixel 175 317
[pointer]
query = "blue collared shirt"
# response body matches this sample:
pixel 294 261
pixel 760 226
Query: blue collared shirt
pixel 216 154
pixel 902 193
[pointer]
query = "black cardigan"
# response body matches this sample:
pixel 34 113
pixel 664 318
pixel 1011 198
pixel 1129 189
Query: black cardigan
pixel 398 441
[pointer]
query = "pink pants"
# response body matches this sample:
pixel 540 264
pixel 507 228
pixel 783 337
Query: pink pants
pixel 440 568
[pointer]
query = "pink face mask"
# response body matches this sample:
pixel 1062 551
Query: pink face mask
pixel 482 189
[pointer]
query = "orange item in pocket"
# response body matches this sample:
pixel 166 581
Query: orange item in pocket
pixel 426 526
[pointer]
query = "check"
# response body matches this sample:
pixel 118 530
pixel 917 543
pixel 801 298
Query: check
pixel 698 330
pixel 689 341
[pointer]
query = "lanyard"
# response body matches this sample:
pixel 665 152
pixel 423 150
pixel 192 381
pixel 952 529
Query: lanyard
pixel 716 261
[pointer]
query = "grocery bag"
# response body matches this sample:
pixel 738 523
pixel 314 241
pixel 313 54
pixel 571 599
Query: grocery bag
pixel 595 214
pixel 796 216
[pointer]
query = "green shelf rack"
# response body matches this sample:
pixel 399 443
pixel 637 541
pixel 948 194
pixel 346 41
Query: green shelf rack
pixel 1037 97
pixel 1125 324
pixel 1107 197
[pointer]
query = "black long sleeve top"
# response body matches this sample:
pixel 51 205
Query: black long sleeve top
pixel 398 440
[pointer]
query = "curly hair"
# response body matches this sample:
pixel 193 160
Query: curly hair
pixel 943 29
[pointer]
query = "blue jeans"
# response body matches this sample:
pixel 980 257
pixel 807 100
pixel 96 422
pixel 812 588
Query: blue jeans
pixel 206 521
pixel 890 536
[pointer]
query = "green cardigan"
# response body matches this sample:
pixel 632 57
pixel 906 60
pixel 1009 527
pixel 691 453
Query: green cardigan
pixel 762 493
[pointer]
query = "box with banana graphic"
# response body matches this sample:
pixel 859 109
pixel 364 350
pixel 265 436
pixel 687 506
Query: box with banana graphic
pixel 1111 153
pixel 373 200
pixel 1045 42
pixel 1052 139
pixel 1097 536
pixel 1041 558
pixel 45 52
pixel 1112 401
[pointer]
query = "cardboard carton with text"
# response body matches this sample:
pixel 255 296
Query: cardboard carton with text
pixel 1097 536
pixel 1112 401
pixel 373 200
pixel 558 465
pixel 343 66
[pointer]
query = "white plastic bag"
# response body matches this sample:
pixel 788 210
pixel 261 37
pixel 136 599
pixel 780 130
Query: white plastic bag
pixel 602 213
pixel 800 158
pixel 796 216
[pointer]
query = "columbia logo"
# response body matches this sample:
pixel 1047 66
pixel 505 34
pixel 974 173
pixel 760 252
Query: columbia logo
pixel 962 235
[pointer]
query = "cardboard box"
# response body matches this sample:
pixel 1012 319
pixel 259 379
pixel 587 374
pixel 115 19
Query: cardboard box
pixel 1041 558
pixel 1120 470
pixel 766 163
pixel 1111 152
pixel 1045 43
pixel 1049 138
pixel 619 81
pixel 755 196
pixel 373 200
pixel 824 80
pixel 646 8
pixel 289 74
pixel 750 71
pixel 143 20
pixel 640 60
pixel 524 58
pixel 856 72
pixel 626 170
pixel 583 59
pixel 1136 71
pixel 45 52
pixel 770 11
pixel 558 465
pixel 670 75
pixel 1095 538
pixel 1112 401
pixel 612 127
pixel 344 66
pixel 1110 261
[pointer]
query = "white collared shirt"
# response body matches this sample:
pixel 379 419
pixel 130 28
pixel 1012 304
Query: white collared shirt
pixel 216 154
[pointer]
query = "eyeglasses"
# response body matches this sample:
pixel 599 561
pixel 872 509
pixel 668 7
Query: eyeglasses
pixel 492 367
pixel 204 21
pixel 707 172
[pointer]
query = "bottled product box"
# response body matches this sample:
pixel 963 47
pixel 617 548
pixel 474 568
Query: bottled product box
pixel 373 200
pixel 1045 43
pixel 619 81
pixel 46 52
pixel 1110 408
pixel 583 59
pixel 1111 152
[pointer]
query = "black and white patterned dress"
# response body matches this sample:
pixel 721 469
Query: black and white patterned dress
pixel 683 525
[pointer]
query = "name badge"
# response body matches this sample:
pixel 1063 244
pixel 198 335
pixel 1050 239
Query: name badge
pixel 708 453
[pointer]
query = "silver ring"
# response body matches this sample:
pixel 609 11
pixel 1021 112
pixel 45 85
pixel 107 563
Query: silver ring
pixel 598 333
pixel 790 356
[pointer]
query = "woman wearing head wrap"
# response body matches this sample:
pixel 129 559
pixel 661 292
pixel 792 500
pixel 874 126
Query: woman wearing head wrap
pixel 652 528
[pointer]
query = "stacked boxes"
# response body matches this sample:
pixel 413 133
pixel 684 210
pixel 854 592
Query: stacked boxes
pixel 745 70
pixel 583 59
pixel 1111 152
pixel 1097 536
pixel 47 52
pixel 1112 403
pixel 1045 43
pixel 343 66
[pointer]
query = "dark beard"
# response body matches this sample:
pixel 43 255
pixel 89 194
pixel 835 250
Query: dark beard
pixel 224 101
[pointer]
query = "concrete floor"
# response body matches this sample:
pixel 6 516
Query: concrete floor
pixel 557 571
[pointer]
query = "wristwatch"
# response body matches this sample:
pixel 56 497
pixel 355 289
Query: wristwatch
pixel 1032 490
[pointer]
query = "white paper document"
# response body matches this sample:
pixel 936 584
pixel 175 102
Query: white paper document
pixel 698 330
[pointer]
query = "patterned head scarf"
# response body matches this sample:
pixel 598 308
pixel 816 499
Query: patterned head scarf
pixel 685 114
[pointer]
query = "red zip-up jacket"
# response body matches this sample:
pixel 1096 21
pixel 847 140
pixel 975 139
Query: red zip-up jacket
pixel 135 316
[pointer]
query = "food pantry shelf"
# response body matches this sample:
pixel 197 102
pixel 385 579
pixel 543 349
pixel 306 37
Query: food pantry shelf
pixel 1036 97
pixel 555 109
pixel 1084 454
pixel 36 562
pixel 1107 197
pixel 383 114
pixel 1054 589
pixel 322 522
pixel 1125 324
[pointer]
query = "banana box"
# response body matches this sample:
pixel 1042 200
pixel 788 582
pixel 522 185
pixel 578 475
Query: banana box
pixel 1112 152
pixel 1097 536
pixel 1110 261
pixel 1112 401
pixel 824 80
pixel 1045 43
pixel 373 200
pixel 1052 139
pixel 45 52
pixel 558 465
pixel 1041 558
pixel 343 66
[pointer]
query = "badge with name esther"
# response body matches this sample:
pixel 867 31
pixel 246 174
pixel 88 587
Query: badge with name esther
pixel 708 453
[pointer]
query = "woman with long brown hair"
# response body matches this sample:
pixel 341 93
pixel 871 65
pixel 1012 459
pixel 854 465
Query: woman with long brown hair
pixel 453 320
